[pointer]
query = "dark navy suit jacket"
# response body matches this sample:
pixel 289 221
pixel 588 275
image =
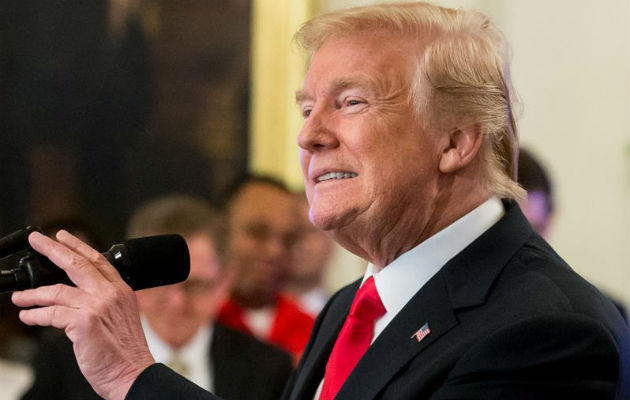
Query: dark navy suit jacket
pixel 508 317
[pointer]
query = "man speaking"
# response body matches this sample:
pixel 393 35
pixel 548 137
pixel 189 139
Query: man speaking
pixel 408 152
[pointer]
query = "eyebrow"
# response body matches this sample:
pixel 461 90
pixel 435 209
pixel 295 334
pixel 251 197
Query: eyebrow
pixel 301 96
pixel 339 85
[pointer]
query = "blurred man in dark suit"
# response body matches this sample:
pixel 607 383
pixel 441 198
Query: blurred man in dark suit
pixel 178 319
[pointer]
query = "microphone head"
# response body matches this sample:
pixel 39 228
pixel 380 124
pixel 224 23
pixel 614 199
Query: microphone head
pixel 154 261
pixel 16 241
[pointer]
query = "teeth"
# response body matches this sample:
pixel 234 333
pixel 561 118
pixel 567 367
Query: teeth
pixel 336 175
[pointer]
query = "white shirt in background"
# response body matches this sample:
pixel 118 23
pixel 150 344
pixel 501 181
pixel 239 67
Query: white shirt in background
pixel 195 354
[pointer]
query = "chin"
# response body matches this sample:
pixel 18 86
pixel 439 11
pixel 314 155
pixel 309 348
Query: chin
pixel 322 219
pixel 180 339
pixel 331 220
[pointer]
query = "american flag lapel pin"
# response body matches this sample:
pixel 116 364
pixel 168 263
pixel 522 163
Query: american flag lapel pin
pixel 422 333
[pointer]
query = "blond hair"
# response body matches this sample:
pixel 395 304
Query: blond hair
pixel 462 73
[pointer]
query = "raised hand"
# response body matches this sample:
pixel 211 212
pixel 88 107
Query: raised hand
pixel 99 315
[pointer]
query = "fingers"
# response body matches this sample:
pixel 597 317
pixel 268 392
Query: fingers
pixel 74 243
pixel 50 295
pixel 56 316
pixel 79 269
pixel 96 258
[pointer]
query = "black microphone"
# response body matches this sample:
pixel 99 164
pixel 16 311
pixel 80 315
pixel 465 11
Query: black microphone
pixel 142 263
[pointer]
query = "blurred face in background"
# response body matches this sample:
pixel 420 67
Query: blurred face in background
pixel 537 210
pixel 312 251
pixel 263 231
pixel 176 312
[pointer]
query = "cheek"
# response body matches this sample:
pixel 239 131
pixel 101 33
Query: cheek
pixel 304 161
pixel 240 246
pixel 148 302
pixel 205 307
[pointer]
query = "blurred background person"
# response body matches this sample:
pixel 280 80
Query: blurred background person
pixel 178 319
pixel 538 207
pixel 263 229
pixel 311 257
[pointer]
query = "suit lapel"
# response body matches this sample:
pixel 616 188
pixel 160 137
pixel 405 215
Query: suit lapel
pixel 396 345
pixel 464 281
pixel 470 274
pixel 311 370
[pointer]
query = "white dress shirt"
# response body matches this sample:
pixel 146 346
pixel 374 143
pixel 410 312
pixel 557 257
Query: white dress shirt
pixel 400 280
pixel 260 321
pixel 195 354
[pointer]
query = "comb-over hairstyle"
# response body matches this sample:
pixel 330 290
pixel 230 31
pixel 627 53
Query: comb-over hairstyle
pixel 181 214
pixel 461 77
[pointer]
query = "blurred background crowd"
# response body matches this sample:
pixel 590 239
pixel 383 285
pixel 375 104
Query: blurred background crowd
pixel 126 118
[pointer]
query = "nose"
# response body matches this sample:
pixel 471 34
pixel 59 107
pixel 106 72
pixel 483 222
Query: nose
pixel 275 248
pixel 317 133
pixel 176 297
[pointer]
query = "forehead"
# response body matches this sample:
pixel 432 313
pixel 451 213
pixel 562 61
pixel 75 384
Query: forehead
pixel 373 60
pixel 263 203
pixel 203 257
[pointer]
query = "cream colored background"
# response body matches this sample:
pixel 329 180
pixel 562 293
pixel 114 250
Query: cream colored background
pixel 571 64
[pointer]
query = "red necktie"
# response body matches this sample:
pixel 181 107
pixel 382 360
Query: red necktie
pixel 354 339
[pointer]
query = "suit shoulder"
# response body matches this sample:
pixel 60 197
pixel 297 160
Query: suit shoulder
pixel 542 274
pixel 250 347
pixel 561 354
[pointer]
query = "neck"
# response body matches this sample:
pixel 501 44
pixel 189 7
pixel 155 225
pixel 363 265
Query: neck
pixel 299 287
pixel 255 301
pixel 455 197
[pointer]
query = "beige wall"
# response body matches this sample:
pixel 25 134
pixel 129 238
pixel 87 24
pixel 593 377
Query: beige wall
pixel 571 69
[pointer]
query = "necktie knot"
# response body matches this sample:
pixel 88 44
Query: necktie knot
pixel 367 305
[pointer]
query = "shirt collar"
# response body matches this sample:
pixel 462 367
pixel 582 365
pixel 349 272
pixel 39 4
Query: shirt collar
pixel 403 277
pixel 163 352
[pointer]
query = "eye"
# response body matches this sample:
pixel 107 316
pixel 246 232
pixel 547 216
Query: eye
pixel 256 231
pixel 354 103
pixel 306 112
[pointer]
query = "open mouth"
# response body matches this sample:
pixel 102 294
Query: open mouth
pixel 335 175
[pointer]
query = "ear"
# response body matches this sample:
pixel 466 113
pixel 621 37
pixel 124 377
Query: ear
pixel 462 147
